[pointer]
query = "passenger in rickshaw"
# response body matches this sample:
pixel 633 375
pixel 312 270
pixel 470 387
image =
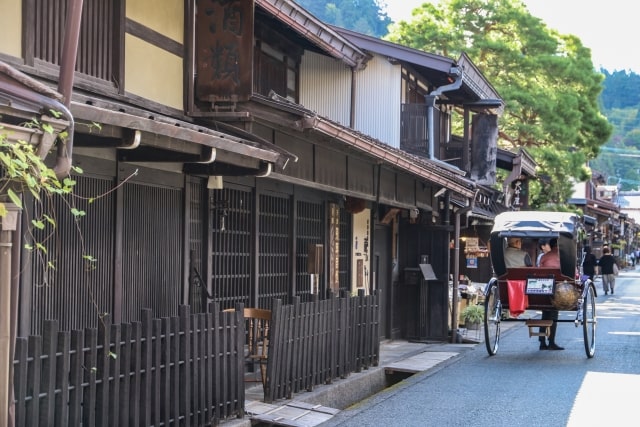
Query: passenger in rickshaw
pixel 514 256
pixel 550 259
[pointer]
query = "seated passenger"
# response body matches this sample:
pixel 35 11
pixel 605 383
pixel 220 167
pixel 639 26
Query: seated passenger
pixel 551 257
pixel 514 256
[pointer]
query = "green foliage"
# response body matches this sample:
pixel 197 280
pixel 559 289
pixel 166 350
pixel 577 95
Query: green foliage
pixel 617 161
pixel 621 90
pixel 364 16
pixel 24 171
pixel 546 79
pixel 472 314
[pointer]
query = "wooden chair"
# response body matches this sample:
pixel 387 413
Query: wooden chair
pixel 257 324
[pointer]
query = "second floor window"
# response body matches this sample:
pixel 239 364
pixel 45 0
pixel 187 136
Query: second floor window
pixel 275 71
pixel 96 47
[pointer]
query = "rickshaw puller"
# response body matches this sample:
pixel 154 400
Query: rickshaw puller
pixel 550 315
pixel 550 259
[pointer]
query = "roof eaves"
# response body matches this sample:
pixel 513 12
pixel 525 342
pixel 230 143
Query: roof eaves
pixel 421 168
pixel 314 30
pixel 183 131
pixel 430 170
pixel 397 51
pixel 476 81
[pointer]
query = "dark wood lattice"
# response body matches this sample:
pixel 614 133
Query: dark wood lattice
pixel 152 248
pixel 65 286
pixel 98 29
pixel 310 230
pixel 231 216
pixel 274 249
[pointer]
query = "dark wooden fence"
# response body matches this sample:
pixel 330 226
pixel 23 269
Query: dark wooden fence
pixel 317 342
pixel 186 370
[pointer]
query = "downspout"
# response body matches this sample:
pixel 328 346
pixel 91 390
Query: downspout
pixel 65 83
pixel 430 100
pixel 352 102
pixel 456 267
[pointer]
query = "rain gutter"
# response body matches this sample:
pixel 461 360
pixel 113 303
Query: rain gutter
pixel 430 100
pixel 65 83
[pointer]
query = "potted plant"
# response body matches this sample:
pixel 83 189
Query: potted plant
pixel 472 316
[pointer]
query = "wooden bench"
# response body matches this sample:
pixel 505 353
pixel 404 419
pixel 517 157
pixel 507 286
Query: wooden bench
pixel 538 323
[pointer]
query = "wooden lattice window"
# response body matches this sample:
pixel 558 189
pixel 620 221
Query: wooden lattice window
pixel 310 230
pixel 73 282
pixel 98 34
pixel 231 216
pixel 274 245
pixel 345 250
pixel 152 244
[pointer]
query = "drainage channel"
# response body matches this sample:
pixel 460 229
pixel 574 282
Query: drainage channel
pixel 299 414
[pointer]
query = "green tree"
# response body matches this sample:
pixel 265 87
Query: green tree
pixel 364 16
pixel 618 159
pixel 547 80
pixel 621 90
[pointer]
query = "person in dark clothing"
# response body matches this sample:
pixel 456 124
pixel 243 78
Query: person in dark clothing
pixel 589 263
pixel 550 259
pixel 606 263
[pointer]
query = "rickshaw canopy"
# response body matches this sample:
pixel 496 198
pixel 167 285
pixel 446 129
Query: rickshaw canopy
pixel 535 225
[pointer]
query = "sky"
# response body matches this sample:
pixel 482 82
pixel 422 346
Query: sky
pixel 610 29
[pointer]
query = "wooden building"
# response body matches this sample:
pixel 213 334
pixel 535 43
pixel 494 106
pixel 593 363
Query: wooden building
pixel 239 152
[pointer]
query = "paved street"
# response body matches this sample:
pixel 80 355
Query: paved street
pixel 523 386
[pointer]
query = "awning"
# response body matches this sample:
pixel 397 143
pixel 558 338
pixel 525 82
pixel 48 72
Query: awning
pixel 157 131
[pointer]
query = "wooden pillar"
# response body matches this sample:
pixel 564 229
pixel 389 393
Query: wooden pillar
pixel 8 225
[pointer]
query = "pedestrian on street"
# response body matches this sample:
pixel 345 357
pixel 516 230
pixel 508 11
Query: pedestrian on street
pixel 606 263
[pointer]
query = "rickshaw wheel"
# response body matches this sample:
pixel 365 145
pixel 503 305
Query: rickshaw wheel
pixel 589 320
pixel 492 314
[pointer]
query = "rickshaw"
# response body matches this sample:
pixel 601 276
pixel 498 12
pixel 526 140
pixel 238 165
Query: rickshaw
pixel 515 290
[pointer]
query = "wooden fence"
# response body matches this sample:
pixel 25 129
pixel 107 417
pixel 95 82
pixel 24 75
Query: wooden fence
pixel 317 342
pixel 186 370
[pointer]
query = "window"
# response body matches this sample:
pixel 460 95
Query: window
pixel 276 65
pixel 98 30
